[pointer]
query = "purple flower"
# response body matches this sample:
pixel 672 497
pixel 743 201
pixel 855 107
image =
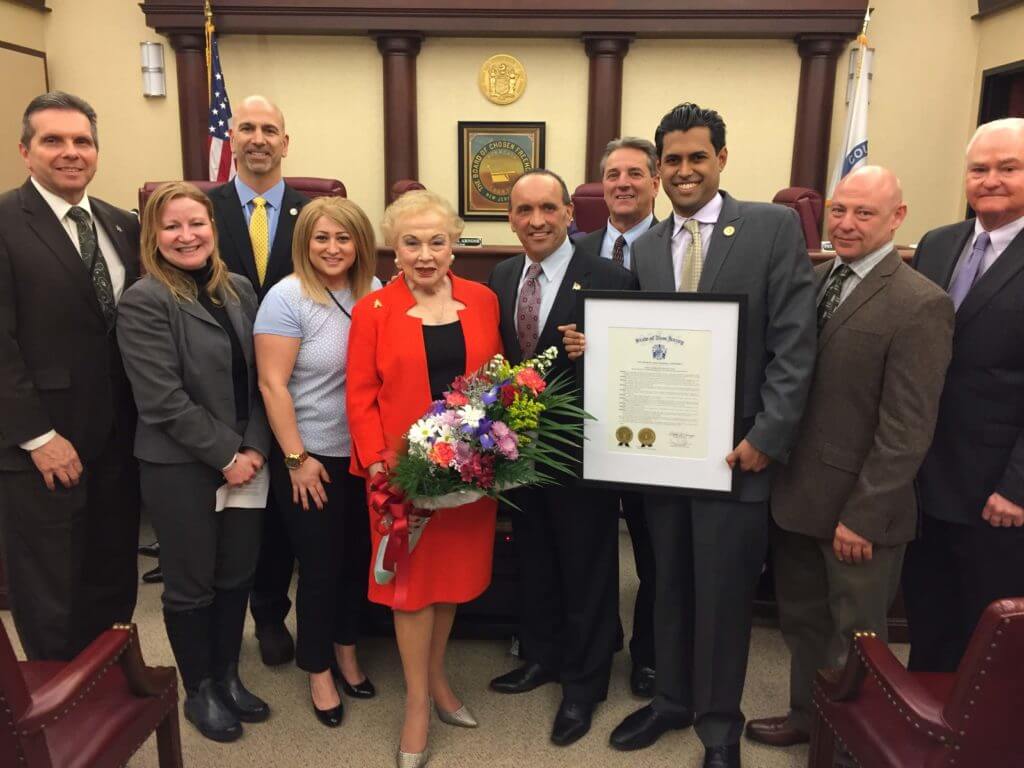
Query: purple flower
pixel 484 426
pixel 486 442
pixel 490 396
pixel 451 419
pixel 437 407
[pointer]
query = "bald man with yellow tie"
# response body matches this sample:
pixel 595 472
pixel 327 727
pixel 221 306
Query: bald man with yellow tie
pixel 255 214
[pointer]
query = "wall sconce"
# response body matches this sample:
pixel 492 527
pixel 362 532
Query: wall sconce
pixel 153 81
pixel 851 80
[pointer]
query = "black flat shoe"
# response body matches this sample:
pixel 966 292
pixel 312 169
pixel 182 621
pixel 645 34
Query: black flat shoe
pixel 276 644
pixel 211 717
pixel 523 679
pixel 330 717
pixel 641 681
pixel 246 706
pixel 150 550
pixel 571 723
pixel 153 576
pixel 645 726
pixel 722 757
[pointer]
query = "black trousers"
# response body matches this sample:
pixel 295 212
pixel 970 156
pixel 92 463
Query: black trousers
pixel 70 554
pixel 952 572
pixel 269 601
pixel 567 540
pixel 641 646
pixel 333 549
pixel 708 556
pixel 202 552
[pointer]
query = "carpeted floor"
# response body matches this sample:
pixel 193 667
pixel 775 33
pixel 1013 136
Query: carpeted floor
pixel 514 729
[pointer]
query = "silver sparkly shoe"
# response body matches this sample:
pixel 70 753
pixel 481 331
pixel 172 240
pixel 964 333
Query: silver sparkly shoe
pixel 461 717
pixel 412 759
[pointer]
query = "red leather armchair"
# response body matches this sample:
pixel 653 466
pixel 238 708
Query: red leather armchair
pixel 310 186
pixel 92 712
pixel 887 717
pixel 809 207
pixel 590 211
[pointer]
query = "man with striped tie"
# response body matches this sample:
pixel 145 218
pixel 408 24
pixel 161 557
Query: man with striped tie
pixel 971 484
pixel 255 214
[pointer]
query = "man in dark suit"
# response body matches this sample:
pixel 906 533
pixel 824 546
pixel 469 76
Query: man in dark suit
pixel 567 536
pixel 256 213
pixel 844 505
pixel 971 485
pixel 629 175
pixel 708 552
pixel 69 488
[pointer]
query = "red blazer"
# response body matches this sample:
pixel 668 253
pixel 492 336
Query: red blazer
pixel 387 384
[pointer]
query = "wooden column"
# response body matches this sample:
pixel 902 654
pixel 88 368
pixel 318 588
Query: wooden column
pixel 818 55
pixel 190 58
pixel 604 98
pixel 401 138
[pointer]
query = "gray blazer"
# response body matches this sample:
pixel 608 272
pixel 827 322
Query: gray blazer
pixel 757 250
pixel 178 359
pixel 882 360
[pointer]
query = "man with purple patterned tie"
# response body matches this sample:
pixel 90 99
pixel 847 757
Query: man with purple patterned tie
pixel 971 484
pixel 567 537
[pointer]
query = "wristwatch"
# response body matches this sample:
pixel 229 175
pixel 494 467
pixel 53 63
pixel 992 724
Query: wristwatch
pixel 294 460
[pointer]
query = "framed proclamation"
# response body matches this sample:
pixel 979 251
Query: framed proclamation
pixel 662 377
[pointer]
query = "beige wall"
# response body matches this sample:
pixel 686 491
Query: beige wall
pixel 21 25
pixel 1000 41
pixel 23 76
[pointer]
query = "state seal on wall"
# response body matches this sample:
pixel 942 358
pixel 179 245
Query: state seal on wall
pixel 502 79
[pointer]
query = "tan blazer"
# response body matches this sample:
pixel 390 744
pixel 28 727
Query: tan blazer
pixel 881 364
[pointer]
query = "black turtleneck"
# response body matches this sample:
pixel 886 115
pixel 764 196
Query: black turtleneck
pixel 239 367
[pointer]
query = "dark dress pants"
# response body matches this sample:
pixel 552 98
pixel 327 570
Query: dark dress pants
pixel 333 549
pixel 567 541
pixel 708 559
pixel 269 601
pixel 641 646
pixel 70 554
pixel 952 572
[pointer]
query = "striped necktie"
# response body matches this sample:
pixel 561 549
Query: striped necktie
pixel 259 233
pixel 694 263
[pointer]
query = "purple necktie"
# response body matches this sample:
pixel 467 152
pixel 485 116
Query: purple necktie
pixel 618 251
pixel 969 270
pixel 528 311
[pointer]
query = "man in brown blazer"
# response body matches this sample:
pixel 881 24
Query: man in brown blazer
pixel 844 507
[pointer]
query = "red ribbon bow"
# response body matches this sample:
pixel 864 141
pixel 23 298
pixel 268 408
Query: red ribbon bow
pixel 393 516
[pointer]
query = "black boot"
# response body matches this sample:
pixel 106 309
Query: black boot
pixel 229 618
pixel 189 633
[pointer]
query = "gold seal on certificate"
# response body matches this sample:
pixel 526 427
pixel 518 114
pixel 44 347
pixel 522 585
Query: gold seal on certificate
pixel 624 435
pixel 502 79
pixel 646 436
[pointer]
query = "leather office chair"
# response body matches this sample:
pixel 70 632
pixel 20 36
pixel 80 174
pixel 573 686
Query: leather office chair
pixel 590 209
pixel 402 186
pixel 310 186
pixel 92 712
pixel 887 717
pixel 809 207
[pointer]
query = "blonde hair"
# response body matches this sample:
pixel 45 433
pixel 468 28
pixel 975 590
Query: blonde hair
pixel 344 213
pixel 416 202
pixel 177 280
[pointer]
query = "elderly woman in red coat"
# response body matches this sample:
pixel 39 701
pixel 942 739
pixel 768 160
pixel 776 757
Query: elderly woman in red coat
pixel 408 342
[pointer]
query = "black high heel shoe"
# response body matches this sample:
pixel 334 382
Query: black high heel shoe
pixel 330 717
pixel 363 690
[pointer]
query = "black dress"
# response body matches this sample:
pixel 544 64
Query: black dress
pixel 445 346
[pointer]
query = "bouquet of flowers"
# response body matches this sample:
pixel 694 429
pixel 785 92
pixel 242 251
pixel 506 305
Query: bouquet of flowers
pixel 495 429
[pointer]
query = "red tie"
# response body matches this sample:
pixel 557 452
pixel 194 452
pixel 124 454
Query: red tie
pixel 528 311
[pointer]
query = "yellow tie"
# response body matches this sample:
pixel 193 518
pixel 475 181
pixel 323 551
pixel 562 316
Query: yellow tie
pixel 259 233
pixel 690 278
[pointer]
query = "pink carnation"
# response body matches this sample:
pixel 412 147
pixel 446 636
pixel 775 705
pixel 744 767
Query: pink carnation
pixel 532 380
pixel 455 399
pixel 442 454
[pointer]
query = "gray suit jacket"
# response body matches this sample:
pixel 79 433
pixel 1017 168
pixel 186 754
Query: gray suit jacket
pixel 870 417
pixel 764 257
pixel 179 361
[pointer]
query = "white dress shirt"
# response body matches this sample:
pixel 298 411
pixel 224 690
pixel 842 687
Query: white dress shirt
pixel 999 240
pixel 550 280
pixel 611 234
pixel 706 218
pixel 115 266
pixel 861 268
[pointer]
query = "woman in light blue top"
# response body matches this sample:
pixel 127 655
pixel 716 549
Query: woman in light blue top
pixel 301 336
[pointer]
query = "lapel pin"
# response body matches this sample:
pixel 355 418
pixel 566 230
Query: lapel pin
pixel 729 231
pixel 377 304
pixel 294 211
pixel 118 228
pixel 576 286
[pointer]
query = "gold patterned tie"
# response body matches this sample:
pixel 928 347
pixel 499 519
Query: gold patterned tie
pixel 259 233
pixel 690 278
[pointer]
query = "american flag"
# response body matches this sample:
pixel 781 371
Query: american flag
pixel 222 163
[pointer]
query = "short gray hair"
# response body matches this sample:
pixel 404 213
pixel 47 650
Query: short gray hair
pixel 56 100
pixel 632 142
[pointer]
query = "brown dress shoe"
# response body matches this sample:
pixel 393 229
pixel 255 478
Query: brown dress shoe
pixel 776 731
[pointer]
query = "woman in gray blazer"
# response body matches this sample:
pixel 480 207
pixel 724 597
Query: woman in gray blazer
pixel 185 331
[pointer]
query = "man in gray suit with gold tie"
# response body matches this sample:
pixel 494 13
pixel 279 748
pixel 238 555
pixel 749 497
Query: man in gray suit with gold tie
pixel 844 505
pixel 708 552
